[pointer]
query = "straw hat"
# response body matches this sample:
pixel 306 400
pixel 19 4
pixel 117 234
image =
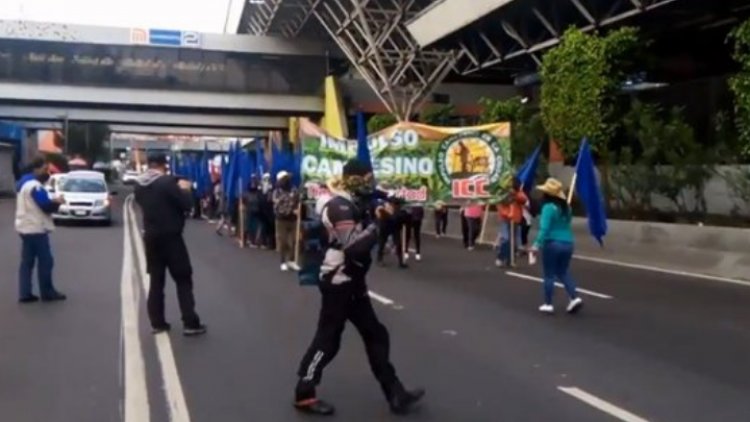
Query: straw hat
pixel 553 187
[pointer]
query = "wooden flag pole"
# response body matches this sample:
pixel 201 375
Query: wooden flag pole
pixel 241 216
pixel 512 244
pixel 573 181
pixel 298 233
pixel 403 242
pixel 484 222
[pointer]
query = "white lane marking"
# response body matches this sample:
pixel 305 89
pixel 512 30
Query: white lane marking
pixel 602 405
pixel 136 408
pixel 382 299
pixel 176 403
pixel 663 270
pixel 539 280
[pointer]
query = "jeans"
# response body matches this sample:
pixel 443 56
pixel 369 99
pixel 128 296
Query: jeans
pixel 556 258
pixel 286 236
pixel 503 239
pixel 35 248
pixel 253 224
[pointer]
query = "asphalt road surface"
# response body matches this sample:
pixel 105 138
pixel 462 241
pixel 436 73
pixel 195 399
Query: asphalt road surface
pixel 647 346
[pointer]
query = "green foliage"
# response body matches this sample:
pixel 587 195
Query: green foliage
pixel 379 122
pixel 580 81
pixel 740 83
pixel 527 127
pixel 738 182
pixel 666 160
pixel 437 114
pixel 494 111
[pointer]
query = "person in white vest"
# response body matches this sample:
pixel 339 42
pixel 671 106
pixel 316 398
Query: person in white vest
pixel 34 224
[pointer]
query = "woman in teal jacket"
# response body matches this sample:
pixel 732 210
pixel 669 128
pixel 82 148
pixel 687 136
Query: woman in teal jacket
pixel 555 240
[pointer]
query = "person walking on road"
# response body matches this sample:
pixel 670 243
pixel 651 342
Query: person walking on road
pixel 252 202
pixel 345 297
pixel 441 219
pixel 473 214
pixel 510 213
pixel 164 201
pixel 34 223
pixel 555 240
pixel 391 221
pixel 414 231
pixel 285 207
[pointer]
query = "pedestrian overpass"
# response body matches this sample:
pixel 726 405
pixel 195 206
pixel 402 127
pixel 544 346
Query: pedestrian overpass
pixel 154 81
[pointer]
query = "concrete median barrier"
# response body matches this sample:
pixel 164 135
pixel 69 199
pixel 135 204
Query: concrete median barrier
pixel 708 250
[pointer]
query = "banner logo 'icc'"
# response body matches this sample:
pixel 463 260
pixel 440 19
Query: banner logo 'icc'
pixel 470 162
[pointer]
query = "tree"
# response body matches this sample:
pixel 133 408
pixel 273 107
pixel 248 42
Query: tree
pixel 666 159
pixel 740 84
pixel 437 114
pixel 527 129
pixel 580 81
pixel 379 122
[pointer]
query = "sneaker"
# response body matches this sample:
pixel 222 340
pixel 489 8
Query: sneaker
pixel 161 329
pixel 575 305
pixel 547 309
pixel 315 407
pixel 499 263
pixel 284 267
pixel 293 266
pixel 418 257
pixel 471 248
pixel 29 299
pixel 406 257
pixel 194 331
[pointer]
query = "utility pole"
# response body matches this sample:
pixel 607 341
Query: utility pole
pixel 65 144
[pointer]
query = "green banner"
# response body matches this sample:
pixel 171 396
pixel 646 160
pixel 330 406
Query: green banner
pixel 419 163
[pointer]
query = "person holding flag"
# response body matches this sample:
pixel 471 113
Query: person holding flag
pixel 556 242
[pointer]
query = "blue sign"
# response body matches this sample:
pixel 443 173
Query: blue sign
pixel 165 37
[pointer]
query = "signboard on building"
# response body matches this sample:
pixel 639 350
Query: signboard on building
pixel 165 37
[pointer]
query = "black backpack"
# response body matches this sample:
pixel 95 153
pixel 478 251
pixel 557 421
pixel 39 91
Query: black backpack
pixel 314 241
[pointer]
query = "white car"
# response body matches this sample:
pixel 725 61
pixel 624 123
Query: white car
pixel 87 198
pixel 130 177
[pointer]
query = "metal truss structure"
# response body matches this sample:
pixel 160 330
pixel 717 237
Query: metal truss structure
pixel 373 36
pixel 526 28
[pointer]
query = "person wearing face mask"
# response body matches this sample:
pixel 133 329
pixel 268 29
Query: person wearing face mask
pixel 352 236
pixel 34 224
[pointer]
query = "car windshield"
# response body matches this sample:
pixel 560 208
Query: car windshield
pixel 84 186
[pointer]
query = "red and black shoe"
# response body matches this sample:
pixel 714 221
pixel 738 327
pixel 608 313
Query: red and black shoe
pixel 314 406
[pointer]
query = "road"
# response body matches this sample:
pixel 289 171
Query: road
pixel 647 346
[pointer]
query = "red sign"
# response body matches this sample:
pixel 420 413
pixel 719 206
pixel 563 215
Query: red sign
pixel 475 187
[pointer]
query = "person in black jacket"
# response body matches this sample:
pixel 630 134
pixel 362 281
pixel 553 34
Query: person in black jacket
pixel 414 231
pixel 252 201
pixel 344 289
pixel 165 202
pixel 391 223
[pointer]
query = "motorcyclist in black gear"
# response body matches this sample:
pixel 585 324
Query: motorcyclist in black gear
pixel 345 295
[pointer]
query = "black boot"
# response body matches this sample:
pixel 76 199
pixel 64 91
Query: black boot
pixel 402 400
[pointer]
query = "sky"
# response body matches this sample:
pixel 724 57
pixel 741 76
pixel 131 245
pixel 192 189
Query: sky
pixel 195 15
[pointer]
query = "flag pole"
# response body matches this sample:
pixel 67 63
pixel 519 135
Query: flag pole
pixel 512 243
pixel 241 219
pixel 573 181
pixel 484 222
pixel 298 233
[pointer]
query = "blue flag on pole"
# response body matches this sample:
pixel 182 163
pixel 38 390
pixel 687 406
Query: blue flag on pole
pixel 588 190
pixel 527 173
pixel 363 149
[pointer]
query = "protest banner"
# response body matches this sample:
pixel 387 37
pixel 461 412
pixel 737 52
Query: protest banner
pixel 420 163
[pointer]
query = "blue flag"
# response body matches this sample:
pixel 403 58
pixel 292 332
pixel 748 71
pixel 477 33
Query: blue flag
pixel 260 156
pixel 527 173
pixel 363 149
pixel 588 190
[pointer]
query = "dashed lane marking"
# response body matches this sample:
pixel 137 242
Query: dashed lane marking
pixel 602 405
pixel 559 285
pixel 382 299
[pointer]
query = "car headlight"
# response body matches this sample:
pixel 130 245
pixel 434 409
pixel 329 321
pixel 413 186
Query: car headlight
pixel 101 203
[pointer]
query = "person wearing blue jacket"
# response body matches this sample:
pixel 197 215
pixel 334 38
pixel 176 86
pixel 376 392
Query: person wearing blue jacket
pixel 556 242
pixel 34 224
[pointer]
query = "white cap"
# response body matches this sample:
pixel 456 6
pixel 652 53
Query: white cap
pixel 282 174
pixel 266 175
